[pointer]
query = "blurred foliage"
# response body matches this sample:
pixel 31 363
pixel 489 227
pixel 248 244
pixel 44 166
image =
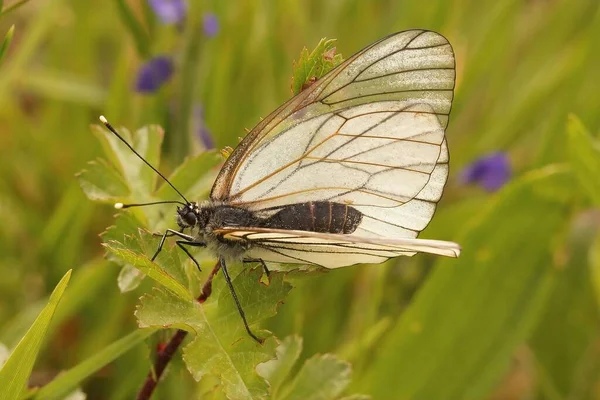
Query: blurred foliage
pixel 515 317
pixel 6 41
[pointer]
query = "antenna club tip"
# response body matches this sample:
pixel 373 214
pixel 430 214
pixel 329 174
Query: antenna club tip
pixel 104 121
pixel 118 206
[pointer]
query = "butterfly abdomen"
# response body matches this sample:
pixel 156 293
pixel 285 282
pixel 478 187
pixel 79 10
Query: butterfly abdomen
pixel 315 216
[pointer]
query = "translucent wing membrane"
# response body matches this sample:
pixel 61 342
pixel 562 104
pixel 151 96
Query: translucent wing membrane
pixel 330 250
pixel 369 134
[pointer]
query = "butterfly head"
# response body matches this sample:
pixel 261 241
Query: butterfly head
pixel 188 215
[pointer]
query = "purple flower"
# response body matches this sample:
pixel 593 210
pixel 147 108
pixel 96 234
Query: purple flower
pixel 169 11
pixel 201 130
pixel 491 171
pixel 210 24
pixel 153 74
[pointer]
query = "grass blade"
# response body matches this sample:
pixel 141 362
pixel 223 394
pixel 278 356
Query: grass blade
pixel 15 373
pixel 6 42
pixel 70 380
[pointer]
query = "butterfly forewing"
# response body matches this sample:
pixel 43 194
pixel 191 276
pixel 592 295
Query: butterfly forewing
pixel 423 60
pixel 370 134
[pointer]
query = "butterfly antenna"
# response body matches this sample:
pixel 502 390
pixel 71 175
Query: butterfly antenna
pixel 120 206
pixel 114 131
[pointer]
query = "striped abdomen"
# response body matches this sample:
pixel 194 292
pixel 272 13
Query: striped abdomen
pixel 315 216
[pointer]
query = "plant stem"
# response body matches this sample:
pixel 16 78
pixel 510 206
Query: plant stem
pixel 162 359
pixel 164 355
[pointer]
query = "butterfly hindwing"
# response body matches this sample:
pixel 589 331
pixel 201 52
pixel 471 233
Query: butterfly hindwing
pixel 329 250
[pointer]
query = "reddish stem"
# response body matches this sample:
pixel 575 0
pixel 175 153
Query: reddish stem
pixel 164 355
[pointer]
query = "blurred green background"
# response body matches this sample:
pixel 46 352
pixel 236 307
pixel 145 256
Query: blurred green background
pixel 516 317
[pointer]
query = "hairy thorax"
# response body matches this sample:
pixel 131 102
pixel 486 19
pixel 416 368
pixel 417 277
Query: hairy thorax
pixel 214 216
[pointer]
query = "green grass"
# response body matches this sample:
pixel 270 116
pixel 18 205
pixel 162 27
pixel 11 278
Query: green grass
pixel 516 316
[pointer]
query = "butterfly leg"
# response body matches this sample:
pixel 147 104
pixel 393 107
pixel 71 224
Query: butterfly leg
pixel 158 234
pixel 237 301
pixel 182 243
pixel 262 262
pixel 168 233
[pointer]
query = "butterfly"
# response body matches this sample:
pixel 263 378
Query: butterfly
pixel 348 171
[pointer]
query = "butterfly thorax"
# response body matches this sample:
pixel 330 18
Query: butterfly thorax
pixel 208 216
pixel 204 220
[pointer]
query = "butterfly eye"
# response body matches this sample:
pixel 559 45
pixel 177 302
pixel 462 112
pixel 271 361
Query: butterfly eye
pixel 190 218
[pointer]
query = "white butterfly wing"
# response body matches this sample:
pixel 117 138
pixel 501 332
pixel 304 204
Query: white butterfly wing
pixel 369 134
pixel 330 250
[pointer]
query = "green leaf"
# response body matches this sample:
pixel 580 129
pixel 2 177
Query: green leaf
pixel 6 42
pixel 101 182
pixel 313 66
pixel 140 179
pixel 68 381
pixel 136 174
pixel 457 337
pixel 129 278
pixel 194 177
pixel 584 154
pixel 14 375
pixel 127 179
pixel 222 347
pixel 128 245
pixel 170 277
pixel 322 377
pixel 131 181
pixel 276 371
pixel 126 224
pixel 234 365
pixel 140 37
